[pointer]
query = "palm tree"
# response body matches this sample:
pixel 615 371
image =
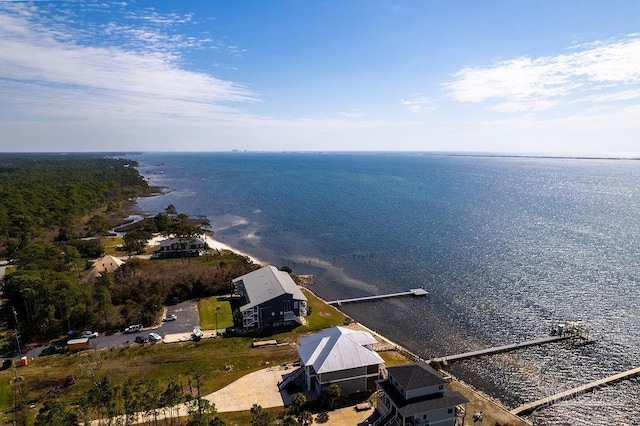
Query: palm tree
pixel 297 401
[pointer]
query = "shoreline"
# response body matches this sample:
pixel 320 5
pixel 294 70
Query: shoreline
pixel 488 403
pixel 494 409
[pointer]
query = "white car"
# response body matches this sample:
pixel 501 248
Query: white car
pixel 154 337
pixel 89 334
pixel 171 317
pixel 135 328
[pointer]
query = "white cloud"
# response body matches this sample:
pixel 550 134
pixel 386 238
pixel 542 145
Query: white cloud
pixel 44 73
pixel 352 114
pixel 531 84
pixel 419 104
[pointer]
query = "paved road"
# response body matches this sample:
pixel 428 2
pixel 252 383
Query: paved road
pixel 187 313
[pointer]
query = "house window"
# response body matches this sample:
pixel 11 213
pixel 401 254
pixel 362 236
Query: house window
pixel 441 387
pixel 450 410
pixel 424 417
pixel 295 305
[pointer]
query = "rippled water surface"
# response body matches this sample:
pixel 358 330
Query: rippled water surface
pixel 505 246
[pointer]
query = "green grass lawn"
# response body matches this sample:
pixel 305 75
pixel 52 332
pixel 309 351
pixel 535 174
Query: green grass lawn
pixel 322 315
pixel 207 311
pixel 111 245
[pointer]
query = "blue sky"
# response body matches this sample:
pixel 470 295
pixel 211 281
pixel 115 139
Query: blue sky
pixel 550 77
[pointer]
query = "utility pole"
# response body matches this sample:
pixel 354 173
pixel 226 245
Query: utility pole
pixel 15 317
pixel 18 405
pixel 217 310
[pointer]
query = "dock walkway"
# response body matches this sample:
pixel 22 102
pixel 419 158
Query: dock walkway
pixel 412 292
pixel 504 348
pixel 570 393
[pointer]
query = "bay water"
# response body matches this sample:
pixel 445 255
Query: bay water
pixel 506 246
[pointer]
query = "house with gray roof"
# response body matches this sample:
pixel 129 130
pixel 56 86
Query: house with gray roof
pixel 270 298
pixel 416 394
pixel 342 356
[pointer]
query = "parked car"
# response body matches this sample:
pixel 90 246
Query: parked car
pixel 171 317
pixel 135 328
pixel 142 339
pixel 197 334
pixel 89 334
pixel 52 350
pixel 154 337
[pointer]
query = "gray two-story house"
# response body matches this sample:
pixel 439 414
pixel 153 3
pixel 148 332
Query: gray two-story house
pixel 270 298
pixel 415 394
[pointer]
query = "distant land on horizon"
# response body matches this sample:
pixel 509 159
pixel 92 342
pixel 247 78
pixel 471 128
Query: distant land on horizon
pixel 612 156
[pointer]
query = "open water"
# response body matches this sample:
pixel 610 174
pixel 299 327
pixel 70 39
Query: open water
pixel 506 246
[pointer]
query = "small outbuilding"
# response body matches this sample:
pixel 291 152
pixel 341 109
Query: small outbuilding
pixel 76 345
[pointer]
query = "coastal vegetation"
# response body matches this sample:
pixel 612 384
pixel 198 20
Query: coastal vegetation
pixel 42 194
pixel 56 214
pixel 104 377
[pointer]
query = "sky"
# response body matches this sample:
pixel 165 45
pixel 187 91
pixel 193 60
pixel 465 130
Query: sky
pixel 526 76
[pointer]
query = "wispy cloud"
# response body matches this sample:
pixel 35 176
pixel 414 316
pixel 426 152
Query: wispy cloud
pixel 596 72
pixel 352 114
pixel 419 104
pixel 49 69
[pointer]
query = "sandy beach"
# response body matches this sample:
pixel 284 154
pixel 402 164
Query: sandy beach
pixel 213 245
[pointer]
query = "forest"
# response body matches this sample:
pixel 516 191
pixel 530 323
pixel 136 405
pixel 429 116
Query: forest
pixel 55 213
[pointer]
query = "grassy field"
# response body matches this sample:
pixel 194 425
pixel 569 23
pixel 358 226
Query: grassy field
pixel 111 245
pixel 217 361
pixel 207 310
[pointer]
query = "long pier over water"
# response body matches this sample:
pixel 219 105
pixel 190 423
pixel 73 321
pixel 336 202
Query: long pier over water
pixel 570 393
pixel 503 348
pixel 412 292
pixel 564 331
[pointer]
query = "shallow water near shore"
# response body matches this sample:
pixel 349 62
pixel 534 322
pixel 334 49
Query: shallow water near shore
pixel 507 247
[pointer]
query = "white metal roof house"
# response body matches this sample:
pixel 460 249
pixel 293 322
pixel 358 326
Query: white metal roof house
pixel 271 299
pixel 416 394
pixel 342 356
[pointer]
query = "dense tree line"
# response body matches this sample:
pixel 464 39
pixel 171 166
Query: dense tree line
pixel 51 290
pixel 40 192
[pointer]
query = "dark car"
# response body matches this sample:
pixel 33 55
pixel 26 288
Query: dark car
pixel 52 350
pixel 142 339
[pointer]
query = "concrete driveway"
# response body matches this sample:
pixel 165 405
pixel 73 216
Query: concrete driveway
pixel 259 387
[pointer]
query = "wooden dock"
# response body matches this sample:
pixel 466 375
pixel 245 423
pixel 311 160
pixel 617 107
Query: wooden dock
pixel 412 292
pixel 570 393
pixel 504 348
